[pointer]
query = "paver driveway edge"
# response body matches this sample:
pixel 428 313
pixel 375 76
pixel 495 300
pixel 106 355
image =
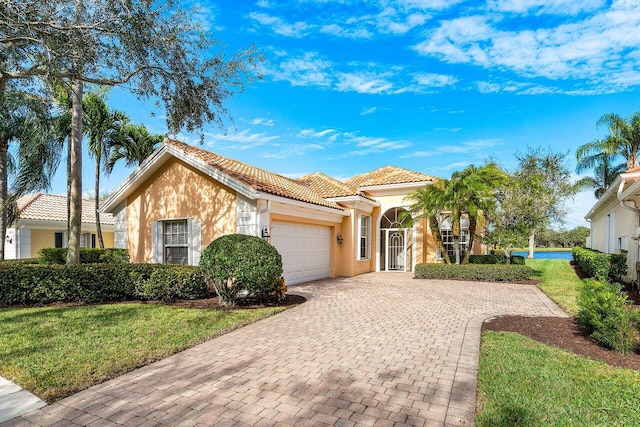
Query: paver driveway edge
pixel 342 358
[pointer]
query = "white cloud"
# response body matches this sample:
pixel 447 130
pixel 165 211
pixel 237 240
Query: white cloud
pixel 600 50
pixel 279 26
pixel 367 111
pixel 307 70
pixel 434 80
pixel 364 82
pixel 262 121
pixel 243 139
pixel 341 31
pixel 539 7
pixel 418 154
pixel 293 150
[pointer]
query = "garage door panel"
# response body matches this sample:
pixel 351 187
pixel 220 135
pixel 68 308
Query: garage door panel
pixel 305 250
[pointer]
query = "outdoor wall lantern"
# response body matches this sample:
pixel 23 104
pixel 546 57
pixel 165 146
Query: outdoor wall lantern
pixel 265 233
pixel 9 239
pixel 339 238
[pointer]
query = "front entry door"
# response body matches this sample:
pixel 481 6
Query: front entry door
pixel 395 244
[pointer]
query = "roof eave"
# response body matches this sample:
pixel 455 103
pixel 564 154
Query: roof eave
pixel 156 160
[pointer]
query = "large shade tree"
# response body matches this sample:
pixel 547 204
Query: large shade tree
pixel 534 197
pixel 470 194
pixel 155 48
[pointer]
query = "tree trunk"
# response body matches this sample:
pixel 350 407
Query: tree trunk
pixel 456 248
pixel 68 186
pixel 472 232
pixel 4 194
pixel 532 243
pixel 98 226
pixel 435 232
pixel 75 177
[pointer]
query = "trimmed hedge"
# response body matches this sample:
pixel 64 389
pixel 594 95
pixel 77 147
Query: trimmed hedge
pixel 480 272
pixel 599 265
pixel 93 283
pixel 604 313
pixel 87 256
pixel 496 258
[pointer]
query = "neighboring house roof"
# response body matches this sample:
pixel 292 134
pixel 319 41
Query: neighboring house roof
pixel 51 207
pixel 256 178
pixel 388 175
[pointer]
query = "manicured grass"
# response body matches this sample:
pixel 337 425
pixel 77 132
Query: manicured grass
pixel 57 351
pixel 526 383
pixel 558 281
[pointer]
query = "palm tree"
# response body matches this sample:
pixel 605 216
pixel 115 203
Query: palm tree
pixel 104 128
pixel 426 204
pixel 134 147
pixel 623 139
pixel 591 156
pixel 469 194
pixel 25 119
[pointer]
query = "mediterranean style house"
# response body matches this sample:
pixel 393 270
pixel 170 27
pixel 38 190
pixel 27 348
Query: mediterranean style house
pixel 42 223
pixel 184 197
pixel 615 220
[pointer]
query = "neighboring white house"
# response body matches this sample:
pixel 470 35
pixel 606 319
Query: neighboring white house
pixel 615 220
pixel 42 223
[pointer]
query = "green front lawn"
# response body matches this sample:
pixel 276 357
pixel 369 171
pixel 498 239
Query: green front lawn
pixel 525 383
pixel 57 351
pixel 522 382
pixel 558 281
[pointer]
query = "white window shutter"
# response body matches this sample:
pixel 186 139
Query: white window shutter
pixel 195 240
pixel 156 241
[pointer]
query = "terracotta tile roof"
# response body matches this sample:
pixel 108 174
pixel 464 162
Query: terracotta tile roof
pixel 51 207
pixel 326 186
pixel 254 177
pixel 633 169
pixel 388 175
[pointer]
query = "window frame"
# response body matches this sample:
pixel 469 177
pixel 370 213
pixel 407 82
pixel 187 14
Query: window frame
pixel 186 244
pixel 364 241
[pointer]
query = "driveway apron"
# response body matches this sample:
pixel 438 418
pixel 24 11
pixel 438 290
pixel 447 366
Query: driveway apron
pixel 377 349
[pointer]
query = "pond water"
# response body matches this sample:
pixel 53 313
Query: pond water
pixel 548 255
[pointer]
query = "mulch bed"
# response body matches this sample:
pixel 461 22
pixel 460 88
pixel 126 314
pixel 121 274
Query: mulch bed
pixel 208 303
pixel 566 333
pixel 248 303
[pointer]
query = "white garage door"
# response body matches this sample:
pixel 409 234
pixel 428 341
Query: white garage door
pixel 305 250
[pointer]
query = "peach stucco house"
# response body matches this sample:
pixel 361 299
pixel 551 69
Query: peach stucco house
pixel 183 197
pixel 42 223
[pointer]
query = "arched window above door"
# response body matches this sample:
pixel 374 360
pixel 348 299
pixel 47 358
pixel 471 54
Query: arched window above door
pixel 395 218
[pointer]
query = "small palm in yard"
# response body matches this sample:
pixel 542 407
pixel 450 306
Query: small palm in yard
pixel 468 195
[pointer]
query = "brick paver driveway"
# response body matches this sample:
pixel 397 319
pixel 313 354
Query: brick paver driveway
pixel 379 349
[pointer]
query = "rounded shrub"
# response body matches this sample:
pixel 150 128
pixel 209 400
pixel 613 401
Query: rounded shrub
pixel 238 264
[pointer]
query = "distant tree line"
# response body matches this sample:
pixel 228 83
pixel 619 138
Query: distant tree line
pixel 550 238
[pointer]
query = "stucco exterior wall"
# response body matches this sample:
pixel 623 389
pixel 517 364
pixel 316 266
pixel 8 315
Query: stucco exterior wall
pixel 611 225
pixel 178 190
pixel 41 239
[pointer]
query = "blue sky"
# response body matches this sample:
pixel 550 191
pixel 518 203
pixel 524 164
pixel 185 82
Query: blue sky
pixel 428 85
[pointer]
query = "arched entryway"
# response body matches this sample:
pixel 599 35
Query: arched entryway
pixel 396 240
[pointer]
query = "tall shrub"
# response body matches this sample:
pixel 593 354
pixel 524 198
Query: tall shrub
pixel 237 264
pixel 604 314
